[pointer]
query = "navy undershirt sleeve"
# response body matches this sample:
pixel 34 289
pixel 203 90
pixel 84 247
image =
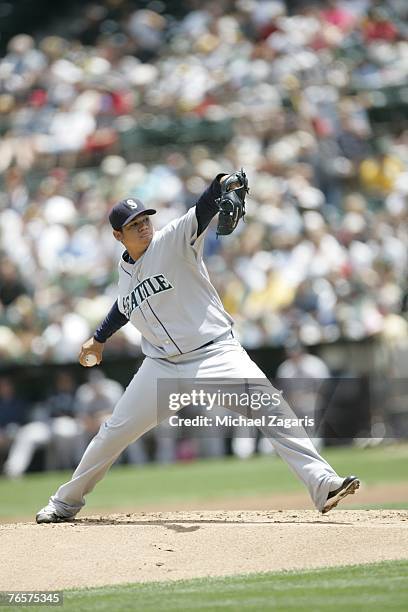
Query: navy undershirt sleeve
pixel 206 208
pixel 113 321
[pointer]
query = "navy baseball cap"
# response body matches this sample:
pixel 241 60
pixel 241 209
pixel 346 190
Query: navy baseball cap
pixel 125 211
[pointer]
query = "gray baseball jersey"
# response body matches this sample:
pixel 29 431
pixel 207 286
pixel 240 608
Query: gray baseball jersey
pixel 167 293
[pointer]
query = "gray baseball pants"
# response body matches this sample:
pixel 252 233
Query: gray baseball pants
pixel 136 413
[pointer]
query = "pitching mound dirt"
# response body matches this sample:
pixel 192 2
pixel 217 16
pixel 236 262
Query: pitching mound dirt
pixel 102 550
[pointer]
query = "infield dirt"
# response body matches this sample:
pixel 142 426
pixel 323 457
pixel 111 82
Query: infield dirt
pixel 149 546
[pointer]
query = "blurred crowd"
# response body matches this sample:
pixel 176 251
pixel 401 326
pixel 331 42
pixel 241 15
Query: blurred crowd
pixel 322 255
pixel 54 433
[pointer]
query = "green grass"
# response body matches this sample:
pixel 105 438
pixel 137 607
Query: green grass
pixel 131 486
pixel 380 586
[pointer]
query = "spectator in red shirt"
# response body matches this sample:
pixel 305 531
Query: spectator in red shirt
pixel 379 27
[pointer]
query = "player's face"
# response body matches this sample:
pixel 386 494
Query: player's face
pixel 136 235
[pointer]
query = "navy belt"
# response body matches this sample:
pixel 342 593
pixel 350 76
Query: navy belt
pixel 214 341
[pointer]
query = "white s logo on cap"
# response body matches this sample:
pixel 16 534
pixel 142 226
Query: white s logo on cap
pixel 131 204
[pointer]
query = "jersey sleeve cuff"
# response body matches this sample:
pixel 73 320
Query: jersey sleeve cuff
pixel 99 338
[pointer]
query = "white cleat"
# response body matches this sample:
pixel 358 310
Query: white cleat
pixel 49 514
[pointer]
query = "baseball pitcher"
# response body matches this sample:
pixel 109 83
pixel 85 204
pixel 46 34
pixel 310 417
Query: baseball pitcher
pixel 166 293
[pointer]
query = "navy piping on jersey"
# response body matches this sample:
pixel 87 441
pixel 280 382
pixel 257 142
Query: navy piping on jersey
pixel 125 270
pixel 178 348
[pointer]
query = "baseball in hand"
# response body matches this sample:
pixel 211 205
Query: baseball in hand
pixel 91 360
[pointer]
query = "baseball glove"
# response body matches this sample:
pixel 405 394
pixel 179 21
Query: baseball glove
pixel 232 202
